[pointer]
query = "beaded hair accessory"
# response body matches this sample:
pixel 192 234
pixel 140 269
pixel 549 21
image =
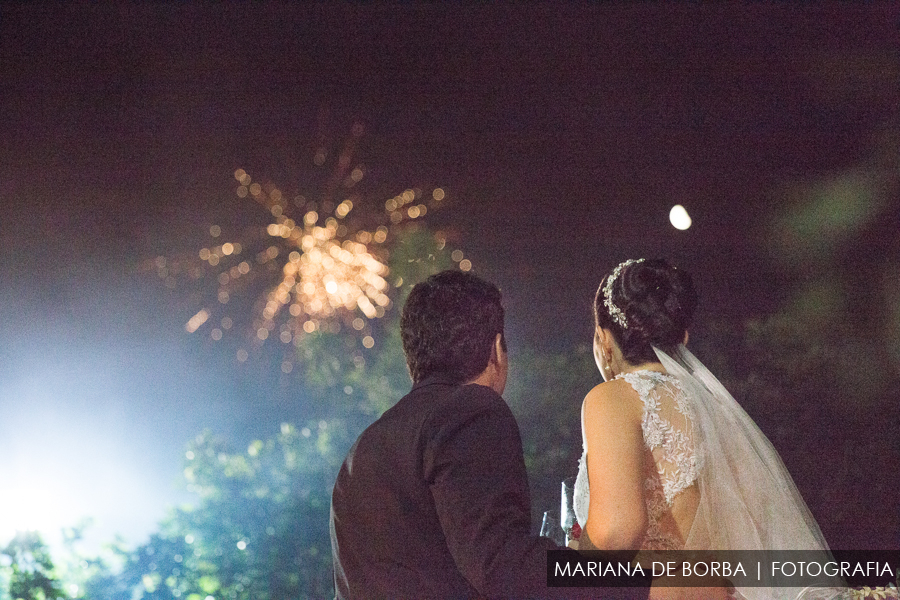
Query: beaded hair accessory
pixel 614 311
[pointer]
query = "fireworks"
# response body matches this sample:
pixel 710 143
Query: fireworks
pixel 329 273
pixel 320 266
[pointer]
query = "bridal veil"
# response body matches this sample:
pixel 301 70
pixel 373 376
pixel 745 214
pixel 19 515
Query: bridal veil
pixel 748 500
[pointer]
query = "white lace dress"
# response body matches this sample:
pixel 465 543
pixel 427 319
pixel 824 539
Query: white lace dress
pixel 667 425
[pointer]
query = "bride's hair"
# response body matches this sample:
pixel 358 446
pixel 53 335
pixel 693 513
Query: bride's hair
pixel 657 301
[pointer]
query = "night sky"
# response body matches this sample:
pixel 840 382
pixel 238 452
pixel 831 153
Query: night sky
pixel 563 134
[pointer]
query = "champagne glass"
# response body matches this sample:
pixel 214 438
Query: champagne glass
pixel 567 507
pixel 550 529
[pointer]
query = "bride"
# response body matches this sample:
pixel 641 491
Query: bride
pixel 671 461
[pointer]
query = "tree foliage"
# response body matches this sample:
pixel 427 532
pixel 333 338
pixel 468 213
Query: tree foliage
pixel 31 573
pixel 259 530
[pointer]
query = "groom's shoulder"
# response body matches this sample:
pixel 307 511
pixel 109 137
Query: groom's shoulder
pixel 472 408
pixel 473 398
pixel 438 397
pixel 443 404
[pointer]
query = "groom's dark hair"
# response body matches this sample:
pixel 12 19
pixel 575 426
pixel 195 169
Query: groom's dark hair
pixel 449 324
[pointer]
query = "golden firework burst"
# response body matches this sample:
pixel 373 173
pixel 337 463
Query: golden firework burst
pixel 319 267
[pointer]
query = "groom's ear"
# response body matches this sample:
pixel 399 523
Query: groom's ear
pixel 498 350
pixel 498 354
pixel 499 357
pixel 686 336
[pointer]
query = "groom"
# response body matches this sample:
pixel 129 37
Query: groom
pixel 432 500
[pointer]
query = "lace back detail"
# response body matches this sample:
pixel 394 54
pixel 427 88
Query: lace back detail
pixel 668 429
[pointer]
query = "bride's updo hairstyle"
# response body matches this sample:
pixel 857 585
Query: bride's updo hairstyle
pixel 650 303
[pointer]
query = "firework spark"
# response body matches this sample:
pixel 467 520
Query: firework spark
pixel 321 268
pixel 329 272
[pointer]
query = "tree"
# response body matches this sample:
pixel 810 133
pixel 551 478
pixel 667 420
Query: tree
pixel 31 573
pixel 260 529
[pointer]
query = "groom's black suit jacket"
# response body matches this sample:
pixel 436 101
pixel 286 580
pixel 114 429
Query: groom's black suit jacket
pixel 433 502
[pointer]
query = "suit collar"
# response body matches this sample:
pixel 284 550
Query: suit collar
pixel 437 379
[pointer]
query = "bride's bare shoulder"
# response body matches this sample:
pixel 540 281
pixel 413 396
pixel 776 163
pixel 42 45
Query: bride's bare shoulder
pixel 616 395
pixel 611 419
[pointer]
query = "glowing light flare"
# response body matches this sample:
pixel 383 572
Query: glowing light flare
pixel 197 320
pixel 343 209
pixel 365 305
pixel 679 217
pixel 29 507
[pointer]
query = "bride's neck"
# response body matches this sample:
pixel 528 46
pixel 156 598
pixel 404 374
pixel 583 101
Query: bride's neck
pixel 647 366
